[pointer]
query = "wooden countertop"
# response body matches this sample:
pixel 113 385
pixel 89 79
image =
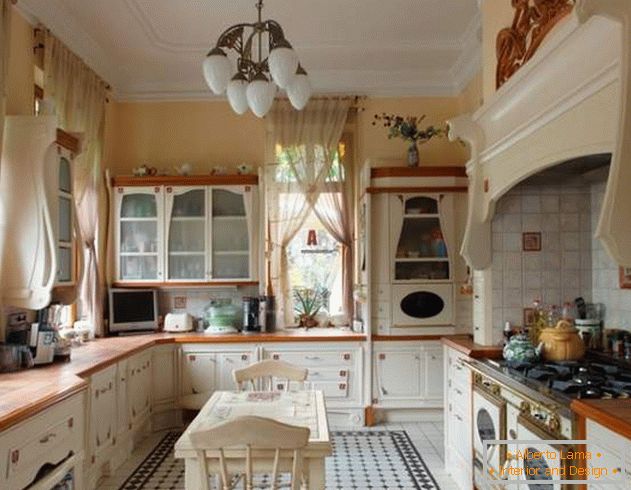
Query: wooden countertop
pixel 465 344
pixel 613 414
pixel 24 393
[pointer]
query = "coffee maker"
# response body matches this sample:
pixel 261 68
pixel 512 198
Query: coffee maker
pixel 251 323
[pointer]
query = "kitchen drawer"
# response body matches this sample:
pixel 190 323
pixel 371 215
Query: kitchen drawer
pixel 47 438
pixel 310 359
pixel 458 395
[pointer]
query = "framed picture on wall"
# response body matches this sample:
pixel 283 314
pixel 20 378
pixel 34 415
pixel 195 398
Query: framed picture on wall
pixel 625 277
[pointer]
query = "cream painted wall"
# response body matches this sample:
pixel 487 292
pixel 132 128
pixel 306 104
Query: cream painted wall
pixel 164 134
pixel 20 78
pixel 209 133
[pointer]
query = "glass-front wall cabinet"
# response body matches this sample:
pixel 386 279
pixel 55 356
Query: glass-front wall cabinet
pixel 186 233
pixel 230 234
pixel 207 234
pixel 420 250
pixel 65 225
pixel 139 233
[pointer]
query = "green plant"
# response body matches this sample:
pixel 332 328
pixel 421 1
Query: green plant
pixel 407 128
pixel 309 301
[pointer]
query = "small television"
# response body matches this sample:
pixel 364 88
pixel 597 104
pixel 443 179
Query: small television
pixel 133 310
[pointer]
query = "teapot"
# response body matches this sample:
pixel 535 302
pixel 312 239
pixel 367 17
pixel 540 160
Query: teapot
pixel 520 349
pixel 562 343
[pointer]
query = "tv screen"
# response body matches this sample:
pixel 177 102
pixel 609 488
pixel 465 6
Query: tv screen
pixel 132 309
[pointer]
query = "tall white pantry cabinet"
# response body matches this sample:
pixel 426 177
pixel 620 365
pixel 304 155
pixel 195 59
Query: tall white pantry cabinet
pixel 410 270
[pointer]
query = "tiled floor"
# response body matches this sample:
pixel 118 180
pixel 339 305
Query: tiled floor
pixel 427 437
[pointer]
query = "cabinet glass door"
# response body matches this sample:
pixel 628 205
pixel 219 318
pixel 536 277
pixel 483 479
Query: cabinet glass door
pixel 421 252
pixel 65 222
pixel 139 237
pixel 230 237
pixel 187 236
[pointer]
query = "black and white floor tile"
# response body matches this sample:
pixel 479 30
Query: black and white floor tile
pixel 395 456
pixel 361 460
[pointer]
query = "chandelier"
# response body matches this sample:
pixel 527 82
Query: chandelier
pixel 265 62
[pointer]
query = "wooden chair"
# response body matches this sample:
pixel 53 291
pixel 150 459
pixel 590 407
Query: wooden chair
pixel 267 372
pixel 250 445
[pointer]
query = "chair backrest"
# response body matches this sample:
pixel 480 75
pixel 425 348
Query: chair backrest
pixel 249 439
pixel 266 371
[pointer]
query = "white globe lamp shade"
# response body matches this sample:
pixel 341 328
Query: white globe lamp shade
pixel 236 92
pixel 299 90
pixel 260 94
pixel 217 71
pixel 283 64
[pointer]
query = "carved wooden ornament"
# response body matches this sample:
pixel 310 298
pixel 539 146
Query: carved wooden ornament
pixel 516 44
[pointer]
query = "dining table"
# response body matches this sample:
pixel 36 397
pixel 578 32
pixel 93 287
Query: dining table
pixel 304 408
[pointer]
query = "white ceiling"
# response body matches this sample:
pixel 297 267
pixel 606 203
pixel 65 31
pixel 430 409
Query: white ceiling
pixel 153 49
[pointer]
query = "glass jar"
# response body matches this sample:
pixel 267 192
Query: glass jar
pixel 221 316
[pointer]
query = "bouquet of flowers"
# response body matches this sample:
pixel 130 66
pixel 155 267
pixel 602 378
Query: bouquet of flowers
pixel 407 128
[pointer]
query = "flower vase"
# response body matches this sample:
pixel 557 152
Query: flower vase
pixel 413 159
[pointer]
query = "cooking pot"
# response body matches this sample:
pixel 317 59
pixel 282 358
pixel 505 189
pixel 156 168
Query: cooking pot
pixel 561 343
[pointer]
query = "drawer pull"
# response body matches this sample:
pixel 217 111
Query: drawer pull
pixel 343 373
pixel 47 438
pixel 244 357
pixel 71 422
pixel 312 358
pixel 382 357
pixel 342 386
pixel 98 441
pixel 458 391
pixel 384 391
pixel 346 357
pixel 458 417
pixel 191 358
pixel 15 456
pixel 275 357
pixel 314 373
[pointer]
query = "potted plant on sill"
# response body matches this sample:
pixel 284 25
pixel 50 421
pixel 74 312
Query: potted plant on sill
pixel 407 128
pixel 307 304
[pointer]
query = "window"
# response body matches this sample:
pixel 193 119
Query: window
pixel 317 264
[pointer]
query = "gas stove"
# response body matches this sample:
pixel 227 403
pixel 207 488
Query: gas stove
pixel 584 379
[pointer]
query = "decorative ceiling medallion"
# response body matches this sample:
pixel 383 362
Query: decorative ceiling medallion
pixel 533 20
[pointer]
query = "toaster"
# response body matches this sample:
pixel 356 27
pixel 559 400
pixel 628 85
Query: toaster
pixel 178 322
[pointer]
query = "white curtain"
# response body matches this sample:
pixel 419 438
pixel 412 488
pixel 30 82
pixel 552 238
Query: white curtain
pixel 5 25
pixel 302 146
pixel 80 97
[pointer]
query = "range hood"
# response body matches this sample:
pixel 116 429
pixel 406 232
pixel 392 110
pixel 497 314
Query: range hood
pixel 572 99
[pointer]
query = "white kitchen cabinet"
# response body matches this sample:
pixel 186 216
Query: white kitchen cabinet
pixel 53 437
pixel 164 374
pixel 615 451
pixel 139 233
pixel 186 234
pixel 207 368
pixel 407 375
pixel 103 413
pixel 139 388
pixel 457 418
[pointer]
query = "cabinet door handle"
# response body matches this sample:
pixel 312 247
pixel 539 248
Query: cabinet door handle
pixel 15 456
pixel 275 357
pixel 458 391
pixel 47 438
pixel 342 373
pixel 244 357
pixel 458 417
pixel 384 391
pixel 346 357
pixel 342 386
pixel 382 357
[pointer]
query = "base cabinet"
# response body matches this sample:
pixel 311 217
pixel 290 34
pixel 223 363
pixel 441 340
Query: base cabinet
pixel 103 413
pixel 139 388
pixel 407 375
pixel 457 419
pixel 54 439
pixel 615 451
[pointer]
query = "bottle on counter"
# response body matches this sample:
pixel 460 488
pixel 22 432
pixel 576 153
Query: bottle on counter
pixel 568 312
pixel 508 332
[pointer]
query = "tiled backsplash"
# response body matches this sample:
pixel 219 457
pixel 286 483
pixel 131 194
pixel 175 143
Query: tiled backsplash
pixel 561 270
pixel 605 278
pixel 196 300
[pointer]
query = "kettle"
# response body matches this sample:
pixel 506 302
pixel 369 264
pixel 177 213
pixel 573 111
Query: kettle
pixel 561 343
pixel 520 349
